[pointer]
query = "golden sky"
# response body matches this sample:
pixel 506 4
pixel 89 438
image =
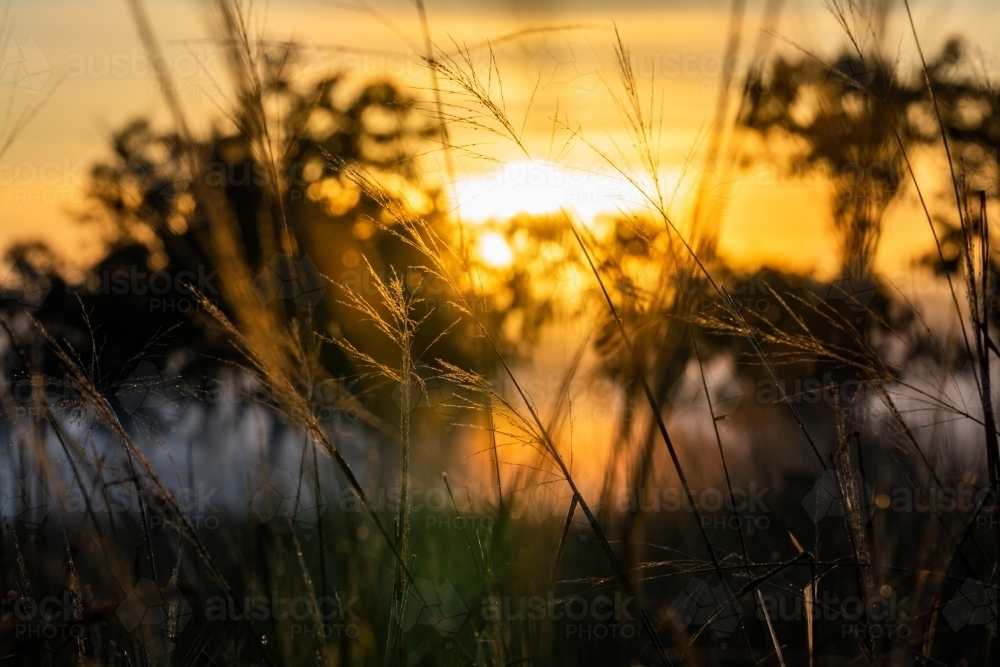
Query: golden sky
pixel 88 56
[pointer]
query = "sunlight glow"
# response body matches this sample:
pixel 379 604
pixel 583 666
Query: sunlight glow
pixel 493 250
pixel 538 187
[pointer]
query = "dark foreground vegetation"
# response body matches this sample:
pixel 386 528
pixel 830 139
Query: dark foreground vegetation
pixel 291 417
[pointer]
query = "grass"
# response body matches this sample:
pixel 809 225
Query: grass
pixel 444 512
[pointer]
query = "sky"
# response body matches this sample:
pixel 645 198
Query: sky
pixel 80 65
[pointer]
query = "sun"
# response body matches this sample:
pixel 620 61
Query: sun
pixel 494 251
pixel 537 187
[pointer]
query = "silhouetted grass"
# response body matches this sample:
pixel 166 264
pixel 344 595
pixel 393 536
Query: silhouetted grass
pixel 425 506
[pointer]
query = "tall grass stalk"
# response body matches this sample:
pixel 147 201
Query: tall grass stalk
pixel 400 328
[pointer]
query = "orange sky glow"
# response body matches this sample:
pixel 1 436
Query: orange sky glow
pixel 92 73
